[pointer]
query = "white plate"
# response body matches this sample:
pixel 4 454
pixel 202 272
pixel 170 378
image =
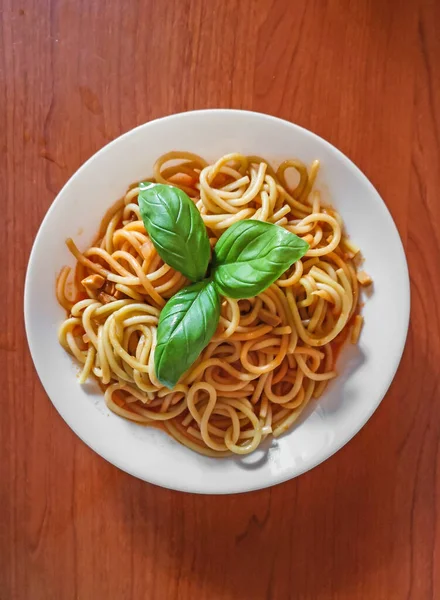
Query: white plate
pixel 365 372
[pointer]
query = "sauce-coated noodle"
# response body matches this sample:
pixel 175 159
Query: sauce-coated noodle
pixel 270 355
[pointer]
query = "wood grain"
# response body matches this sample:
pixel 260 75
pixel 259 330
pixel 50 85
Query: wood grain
pixel 365 74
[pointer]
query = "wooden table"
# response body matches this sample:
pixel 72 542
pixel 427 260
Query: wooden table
pixel 363 74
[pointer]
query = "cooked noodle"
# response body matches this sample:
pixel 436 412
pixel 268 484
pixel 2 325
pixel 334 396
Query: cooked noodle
pixel 270 355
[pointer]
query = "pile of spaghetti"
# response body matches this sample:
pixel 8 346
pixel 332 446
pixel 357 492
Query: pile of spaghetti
pixel 270 354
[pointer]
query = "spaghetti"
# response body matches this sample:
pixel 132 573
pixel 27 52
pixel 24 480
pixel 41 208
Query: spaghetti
pixel 270 355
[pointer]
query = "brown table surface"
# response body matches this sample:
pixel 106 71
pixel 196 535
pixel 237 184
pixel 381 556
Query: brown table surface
pixel 365 75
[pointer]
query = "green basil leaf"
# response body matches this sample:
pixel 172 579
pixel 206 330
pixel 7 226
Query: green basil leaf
pixel 251 255
pixel 176 228
pixel 186 324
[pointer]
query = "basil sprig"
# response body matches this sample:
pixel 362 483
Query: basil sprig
pixel 176 228
pixel 247 259
pixel 251 255
pixel 186 324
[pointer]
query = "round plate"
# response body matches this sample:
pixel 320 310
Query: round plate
pixel 366 371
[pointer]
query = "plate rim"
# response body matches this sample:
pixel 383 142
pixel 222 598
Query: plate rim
pixel 344 440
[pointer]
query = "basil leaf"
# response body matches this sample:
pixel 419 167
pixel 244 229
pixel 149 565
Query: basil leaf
pixel 176 228
pixel 251 255
pixel 186 324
